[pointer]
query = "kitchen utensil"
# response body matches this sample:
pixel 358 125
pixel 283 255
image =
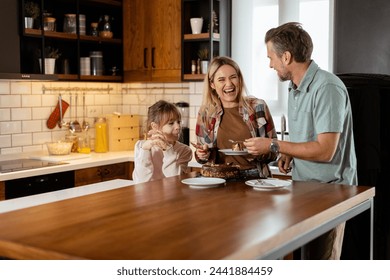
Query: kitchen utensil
pixel 85 124
pixel 76 122
pixel 235 141
pixel 74 126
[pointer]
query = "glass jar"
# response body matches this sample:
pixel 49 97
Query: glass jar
pixel 94 29
pixel 101 143
pixel 96 63
pixel 70 23
pixel 73 137
pixel 105 30
pixel 84 147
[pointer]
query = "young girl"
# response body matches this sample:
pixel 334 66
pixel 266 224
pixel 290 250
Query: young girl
pixel 161 155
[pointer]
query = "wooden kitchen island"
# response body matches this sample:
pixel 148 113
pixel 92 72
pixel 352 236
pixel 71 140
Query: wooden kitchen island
pixel 169 220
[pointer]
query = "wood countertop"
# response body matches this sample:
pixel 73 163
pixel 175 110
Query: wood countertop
pixel 167 219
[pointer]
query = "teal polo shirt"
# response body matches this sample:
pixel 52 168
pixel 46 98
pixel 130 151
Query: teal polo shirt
pixel 318 105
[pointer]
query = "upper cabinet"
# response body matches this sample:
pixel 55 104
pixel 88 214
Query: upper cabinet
pixel 85 37
pixel 152 40
pixel 206 34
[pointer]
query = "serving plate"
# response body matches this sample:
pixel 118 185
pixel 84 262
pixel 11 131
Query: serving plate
pixel 203 182
pixel 230 152
pixel 268 184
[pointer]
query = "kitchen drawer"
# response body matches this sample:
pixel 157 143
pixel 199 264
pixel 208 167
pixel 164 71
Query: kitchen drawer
pixel 122 144
pixel 103 173
pixel 124 132
pixel 122 120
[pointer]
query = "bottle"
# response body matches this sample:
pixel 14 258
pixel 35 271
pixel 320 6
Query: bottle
pixel 101 143
pixel 193 67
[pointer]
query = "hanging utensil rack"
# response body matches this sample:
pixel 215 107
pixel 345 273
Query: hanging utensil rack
pixel 76 89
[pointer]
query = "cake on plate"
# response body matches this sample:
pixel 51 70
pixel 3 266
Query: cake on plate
pixel 226 171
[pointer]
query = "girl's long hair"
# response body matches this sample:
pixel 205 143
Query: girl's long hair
pixel 161 113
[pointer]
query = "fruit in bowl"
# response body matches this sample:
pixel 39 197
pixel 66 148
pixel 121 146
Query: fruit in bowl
pixel 59 148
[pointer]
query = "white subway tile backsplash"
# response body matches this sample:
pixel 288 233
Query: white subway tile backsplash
pixel 31 126
pixel 23 139
pixel 20 114
pixel 25 107
pixel 10 101
pixel 5 141
pixel 21 87
pixel 31 101
pixel 5 115
pixel 102 99
pixel 5 88
pixel 8 151
pixel 41 113
pixel 11 127
pixel 41 137
pixel 35 148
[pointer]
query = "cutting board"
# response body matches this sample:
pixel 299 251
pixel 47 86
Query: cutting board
pixel 71 156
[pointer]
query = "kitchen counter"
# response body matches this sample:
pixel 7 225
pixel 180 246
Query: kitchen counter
pixel 77 161
pixel 73 162
pixel 44 198
pixel 142 221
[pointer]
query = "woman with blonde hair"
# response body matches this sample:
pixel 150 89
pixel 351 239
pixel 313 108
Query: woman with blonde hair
pixel 229 113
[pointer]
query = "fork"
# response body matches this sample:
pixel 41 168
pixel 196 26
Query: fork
pixel 235 141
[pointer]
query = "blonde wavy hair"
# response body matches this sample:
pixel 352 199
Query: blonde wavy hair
pixel 210 101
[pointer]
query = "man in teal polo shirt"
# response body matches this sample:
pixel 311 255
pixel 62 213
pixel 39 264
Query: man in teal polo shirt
pixel 321 146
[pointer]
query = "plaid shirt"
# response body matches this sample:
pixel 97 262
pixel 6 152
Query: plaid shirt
pixel 260 124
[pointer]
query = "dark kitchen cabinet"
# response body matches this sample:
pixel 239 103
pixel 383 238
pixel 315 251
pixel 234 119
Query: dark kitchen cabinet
pixel 215 36
pixel 152 40
pixel 36 185
pixel 73 45
pixel 98 174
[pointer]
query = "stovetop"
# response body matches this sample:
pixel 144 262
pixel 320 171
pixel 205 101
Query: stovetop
pixel 25 164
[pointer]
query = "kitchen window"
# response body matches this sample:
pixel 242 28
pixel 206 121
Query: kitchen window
pixel 250 21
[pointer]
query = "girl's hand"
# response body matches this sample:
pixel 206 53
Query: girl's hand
pixel 156 139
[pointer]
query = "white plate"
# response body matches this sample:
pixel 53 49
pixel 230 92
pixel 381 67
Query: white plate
pixel 230 152
pixel 203 182
pixel 268 184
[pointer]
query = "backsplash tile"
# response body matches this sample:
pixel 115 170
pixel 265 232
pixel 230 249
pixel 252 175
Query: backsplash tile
pixel 25 107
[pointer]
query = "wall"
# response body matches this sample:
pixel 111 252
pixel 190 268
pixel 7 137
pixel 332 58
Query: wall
pixel 25 107
pixel 362 42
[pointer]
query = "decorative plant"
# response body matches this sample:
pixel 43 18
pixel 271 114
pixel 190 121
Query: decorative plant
pixel 50 53
pixel 31 9
pixel 203 54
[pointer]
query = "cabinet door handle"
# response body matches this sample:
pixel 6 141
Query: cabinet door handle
pixel 106 172
pixel 153 50
pixel 145 57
